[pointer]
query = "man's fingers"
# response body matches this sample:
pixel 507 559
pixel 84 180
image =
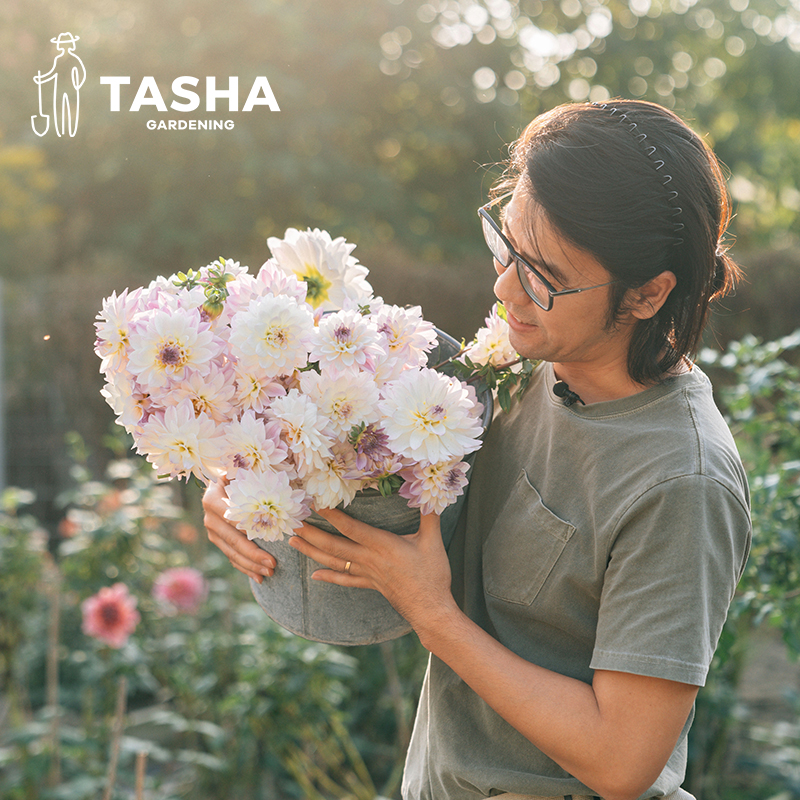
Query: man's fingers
pixel 249 568
pixel 243 554
pixel 341 570
pixel 246 556
pixel 350 527
pixel 341 579
pixel 326 549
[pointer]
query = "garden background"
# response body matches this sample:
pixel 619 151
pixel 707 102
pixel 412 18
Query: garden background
pixel 394 115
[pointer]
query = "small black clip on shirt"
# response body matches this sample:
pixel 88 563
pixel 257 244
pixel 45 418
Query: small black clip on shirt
pixel 569 397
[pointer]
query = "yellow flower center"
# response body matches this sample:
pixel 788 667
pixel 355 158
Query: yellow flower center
pixel 317 283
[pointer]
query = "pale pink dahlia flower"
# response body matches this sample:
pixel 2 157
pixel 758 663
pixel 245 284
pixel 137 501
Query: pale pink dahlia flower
pixel 433 487
pixel 183 588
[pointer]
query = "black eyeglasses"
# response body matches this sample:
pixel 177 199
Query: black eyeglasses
pixel 536 286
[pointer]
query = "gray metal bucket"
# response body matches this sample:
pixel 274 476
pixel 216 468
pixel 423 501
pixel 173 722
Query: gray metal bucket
pixel 324 612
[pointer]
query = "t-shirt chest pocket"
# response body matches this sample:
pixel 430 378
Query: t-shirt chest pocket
pixel 523 545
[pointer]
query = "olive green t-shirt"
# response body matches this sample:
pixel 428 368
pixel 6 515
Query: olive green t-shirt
pixel 609 536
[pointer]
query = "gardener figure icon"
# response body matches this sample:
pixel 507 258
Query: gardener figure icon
pixel 64 121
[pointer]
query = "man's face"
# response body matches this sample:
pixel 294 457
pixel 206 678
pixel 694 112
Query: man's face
pixel 576 329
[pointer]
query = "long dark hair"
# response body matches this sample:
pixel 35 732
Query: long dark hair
pixel 631 184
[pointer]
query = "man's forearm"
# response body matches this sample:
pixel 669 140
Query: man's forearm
pixel 615 735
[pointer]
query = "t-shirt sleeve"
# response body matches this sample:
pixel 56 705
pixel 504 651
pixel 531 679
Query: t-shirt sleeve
pixel 672 572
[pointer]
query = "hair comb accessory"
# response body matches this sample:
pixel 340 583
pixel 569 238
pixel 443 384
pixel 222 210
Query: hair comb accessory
pixel 658 163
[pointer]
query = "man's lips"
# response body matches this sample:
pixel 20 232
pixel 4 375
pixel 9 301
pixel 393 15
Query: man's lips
pixel 516 323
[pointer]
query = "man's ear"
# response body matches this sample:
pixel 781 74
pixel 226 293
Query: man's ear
pixel 646 301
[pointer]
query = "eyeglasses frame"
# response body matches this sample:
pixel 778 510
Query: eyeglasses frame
pixel 483 213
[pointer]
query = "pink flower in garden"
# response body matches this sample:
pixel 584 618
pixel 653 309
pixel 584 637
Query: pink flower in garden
pixel 183 588
pixel 110 615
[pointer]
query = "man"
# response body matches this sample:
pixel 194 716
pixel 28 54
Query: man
pixel 607 522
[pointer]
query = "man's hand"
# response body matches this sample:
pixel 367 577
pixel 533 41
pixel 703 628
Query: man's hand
pixel 243 554
pixel 412 572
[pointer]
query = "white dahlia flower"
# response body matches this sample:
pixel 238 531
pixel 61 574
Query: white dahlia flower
pixel 331 274
pixel 209 392
pixel 113 329
pixel 333 483
pixel 180 444
pixel 491 344
pixel 430 417
pixel 346 399
pixel 264 505
pixel 165 345
pixel 273 332
pixel 254 444
pixel 129 403
pixel 345 340
pixel 254 388
pixel 271 279
pixel 304 429
pixel 405 335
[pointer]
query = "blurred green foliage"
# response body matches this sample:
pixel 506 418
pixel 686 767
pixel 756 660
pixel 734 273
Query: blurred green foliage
pixel 224 702
pixel 758 384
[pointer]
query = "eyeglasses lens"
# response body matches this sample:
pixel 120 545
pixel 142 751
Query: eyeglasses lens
pixel 496 245
pixel 534 287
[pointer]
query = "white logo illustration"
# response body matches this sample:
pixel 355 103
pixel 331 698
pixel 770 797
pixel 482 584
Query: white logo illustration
pixel 63 120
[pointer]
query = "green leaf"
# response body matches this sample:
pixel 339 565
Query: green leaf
pixel 389 484
pixel 504 398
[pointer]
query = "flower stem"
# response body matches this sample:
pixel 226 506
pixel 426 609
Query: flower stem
pixel 116 737
pixel 52 672
pixel 500 368
pixel 451 358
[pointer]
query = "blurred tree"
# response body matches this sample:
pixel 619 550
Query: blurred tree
pixel 394 116
pixel 25 186
pixel 721 64
pixel 388 111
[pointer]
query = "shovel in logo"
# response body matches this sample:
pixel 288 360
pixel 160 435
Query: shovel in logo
pixel 67 122
pixel 46 117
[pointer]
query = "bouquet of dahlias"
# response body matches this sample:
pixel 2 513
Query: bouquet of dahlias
pixel 296 383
